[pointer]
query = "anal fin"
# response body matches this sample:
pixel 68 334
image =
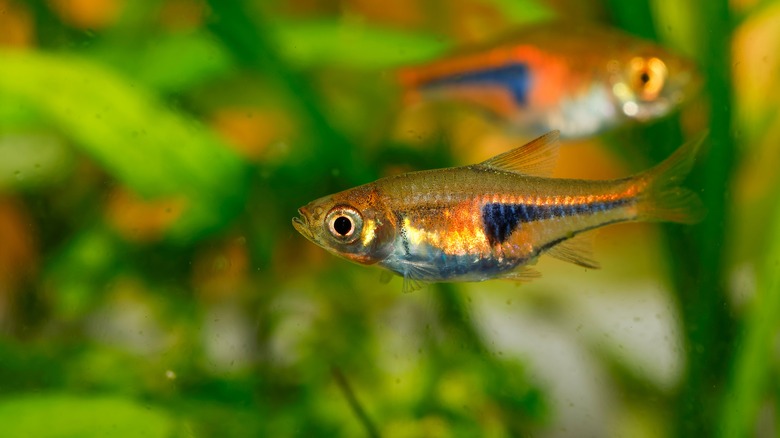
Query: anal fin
pixel 577 250
pixel 523 274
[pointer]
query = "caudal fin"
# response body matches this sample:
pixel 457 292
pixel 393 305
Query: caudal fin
pixel 663 199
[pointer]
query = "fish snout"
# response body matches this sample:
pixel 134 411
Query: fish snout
pixel 301 222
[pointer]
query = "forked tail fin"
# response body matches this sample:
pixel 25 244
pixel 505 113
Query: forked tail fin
pixel 663 199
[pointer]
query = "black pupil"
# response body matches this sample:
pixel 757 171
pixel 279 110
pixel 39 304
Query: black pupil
pixel 645 77
pixel 342 225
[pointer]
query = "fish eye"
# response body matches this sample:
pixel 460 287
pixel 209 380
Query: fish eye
pixel 344 223
pixel 647 77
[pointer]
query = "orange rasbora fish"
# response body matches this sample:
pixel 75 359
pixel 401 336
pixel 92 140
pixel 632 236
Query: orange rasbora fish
pixel 493 219
pixel 580 81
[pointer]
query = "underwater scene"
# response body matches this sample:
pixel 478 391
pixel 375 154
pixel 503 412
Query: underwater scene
pixel 464 218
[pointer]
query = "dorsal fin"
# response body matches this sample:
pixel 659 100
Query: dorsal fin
pixel 536 158
pixel 577 250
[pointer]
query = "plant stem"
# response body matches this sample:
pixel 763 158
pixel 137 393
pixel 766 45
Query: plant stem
pixel 354 404
pixel 751 366
pixel 455 317
pixel 708 325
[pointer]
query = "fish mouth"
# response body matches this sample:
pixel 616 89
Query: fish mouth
pixel 301 224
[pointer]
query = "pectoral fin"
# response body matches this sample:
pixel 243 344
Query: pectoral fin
pixel 415 277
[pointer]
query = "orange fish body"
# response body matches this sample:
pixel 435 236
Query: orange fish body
pixel 580 81
pixel 490 220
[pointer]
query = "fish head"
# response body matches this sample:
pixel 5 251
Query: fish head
pixel 649 82
pixel 354 224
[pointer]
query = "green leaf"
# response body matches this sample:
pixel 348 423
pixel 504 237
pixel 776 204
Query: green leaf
pixel 65 415
pixel 524 11
pixel 169 63
pixel 32 160
pixel 155 150
pixel 17 114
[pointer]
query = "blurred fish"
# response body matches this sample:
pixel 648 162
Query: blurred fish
pixel 578 79
pixel 493 219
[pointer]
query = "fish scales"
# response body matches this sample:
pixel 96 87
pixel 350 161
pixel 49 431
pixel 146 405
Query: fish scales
pixel 468 213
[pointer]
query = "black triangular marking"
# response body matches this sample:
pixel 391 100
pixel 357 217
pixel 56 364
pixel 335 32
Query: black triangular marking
pixel 500 220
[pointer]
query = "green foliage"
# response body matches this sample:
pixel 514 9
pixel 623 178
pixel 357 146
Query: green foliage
pixel 221 322
pixel 323 43
pixel 152 149
pixel 174 63
pixel 524 11
pixel 751 374
pixel 58 415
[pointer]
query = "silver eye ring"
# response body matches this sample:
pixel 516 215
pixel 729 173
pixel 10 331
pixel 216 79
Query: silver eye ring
pixel 345 223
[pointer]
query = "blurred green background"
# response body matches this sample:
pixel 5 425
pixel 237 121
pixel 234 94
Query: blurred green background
pixel 153 152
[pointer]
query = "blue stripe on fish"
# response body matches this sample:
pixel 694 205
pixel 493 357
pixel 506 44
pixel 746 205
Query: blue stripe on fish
pixel 514 77
pixel 501 220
